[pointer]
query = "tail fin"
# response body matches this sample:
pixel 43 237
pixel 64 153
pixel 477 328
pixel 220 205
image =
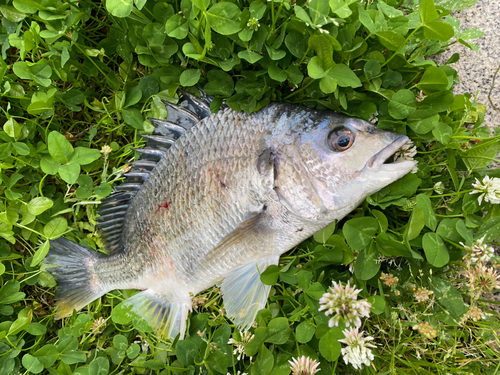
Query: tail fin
pixel 76 278
pixel 168 319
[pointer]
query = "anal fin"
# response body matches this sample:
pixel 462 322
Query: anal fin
pixel 167 318
pixel 243 292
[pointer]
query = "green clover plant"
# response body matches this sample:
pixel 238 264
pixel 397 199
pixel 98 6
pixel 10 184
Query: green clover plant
pixel 78 82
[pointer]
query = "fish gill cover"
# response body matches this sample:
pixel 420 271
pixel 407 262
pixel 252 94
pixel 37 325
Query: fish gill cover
pixel 403 284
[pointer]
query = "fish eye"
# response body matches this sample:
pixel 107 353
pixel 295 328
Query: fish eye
pixel 340 139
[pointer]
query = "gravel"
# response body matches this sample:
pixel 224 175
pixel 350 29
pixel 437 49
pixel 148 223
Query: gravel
pixel 477 69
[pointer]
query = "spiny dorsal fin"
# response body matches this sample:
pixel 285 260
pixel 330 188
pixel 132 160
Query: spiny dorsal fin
pixel 200 107
pixel 167 129
pixel 151 153
pixel 180 118
pixel 159 142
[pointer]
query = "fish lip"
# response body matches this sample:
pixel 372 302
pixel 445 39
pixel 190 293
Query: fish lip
pixel 377 160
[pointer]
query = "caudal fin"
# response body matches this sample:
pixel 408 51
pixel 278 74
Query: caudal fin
pixel 77 284
pixel 167 318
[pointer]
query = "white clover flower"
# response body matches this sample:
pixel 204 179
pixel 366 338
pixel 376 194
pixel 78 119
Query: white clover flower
pixel 426 329
pixel 357 352
pixel 97 323
pixel 304 366
pixel 246 337
pixel 438 188
pixel 342 302
pixel 143 344
pixel 407 152
pixel 389 279
pixel 489 189
pixel 479 252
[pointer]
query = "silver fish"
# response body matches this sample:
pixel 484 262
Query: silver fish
pixel 217 198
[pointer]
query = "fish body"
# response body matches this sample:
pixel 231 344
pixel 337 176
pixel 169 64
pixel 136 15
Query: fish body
pixel 222 203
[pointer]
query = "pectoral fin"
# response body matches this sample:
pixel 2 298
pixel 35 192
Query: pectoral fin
pixel 243 292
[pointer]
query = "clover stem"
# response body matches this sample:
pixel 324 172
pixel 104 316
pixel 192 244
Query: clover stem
pixel 399 49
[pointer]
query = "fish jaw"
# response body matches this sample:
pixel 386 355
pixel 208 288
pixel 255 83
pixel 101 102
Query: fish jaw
pixel 374 176
pixel 393 171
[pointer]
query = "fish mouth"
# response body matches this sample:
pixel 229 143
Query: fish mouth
pixel 378 161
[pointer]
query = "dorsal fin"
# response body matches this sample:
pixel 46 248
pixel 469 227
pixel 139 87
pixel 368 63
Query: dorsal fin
pixel 181 117
pixel 159 142
pixel 167 129
pixel 200 107
pixel 111 212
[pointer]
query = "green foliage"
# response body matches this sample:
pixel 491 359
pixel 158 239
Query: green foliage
pixel 78 82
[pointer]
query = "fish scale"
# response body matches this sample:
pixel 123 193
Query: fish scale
pixel 230 194
pixel 185 168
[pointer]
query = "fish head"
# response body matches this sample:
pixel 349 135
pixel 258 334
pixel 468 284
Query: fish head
pixel 333 163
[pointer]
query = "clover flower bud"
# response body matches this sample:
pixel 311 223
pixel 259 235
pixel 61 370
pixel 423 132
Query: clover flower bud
pixel 438 188
pixel 253 23
pixel 106 150
pixel 304 366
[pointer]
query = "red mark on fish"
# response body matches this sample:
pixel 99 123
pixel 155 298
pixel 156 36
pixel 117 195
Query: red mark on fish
pixel 165 205
pixel 222 183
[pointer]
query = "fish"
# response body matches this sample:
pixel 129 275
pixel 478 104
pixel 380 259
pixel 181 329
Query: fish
pixel 216 198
